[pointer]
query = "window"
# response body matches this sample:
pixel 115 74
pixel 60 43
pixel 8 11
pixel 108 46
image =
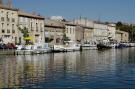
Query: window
pixel 36 27
pixel 8 31
pixel 8 19
pixel 3 31
pixel 2 25
pixel 67 30
pixel 2 18
pixel 70 30
pixel 41 29
pixel 12 13
pixel 13 19
pixel 7 14
pixel 31 26
pixel 13 28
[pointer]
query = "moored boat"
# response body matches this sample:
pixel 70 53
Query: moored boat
pixel 103 46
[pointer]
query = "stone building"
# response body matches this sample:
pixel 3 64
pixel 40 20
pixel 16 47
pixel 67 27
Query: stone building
pixel 87 34
pixel 8 24
pixel 70 31
pixel 35 25
pixel 100 31
pixel 54 31
pixel 122 36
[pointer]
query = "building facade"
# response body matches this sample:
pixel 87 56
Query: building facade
pixel 122 36
pixel 35 25
pixel 70 31
pixel 87 34
pixel 100 31
pixel 111 32
pixel 54 31
pixel 8 25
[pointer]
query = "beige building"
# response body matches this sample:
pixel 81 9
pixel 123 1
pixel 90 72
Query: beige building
pixel 79 36
pixel 8 24
pixel 35 25
pixel 54 31
pixel 122 36
pixel 87 29
pixel 70 31
pixel 111 31
pixel 88 34
pixel 100 31
pixel 76 32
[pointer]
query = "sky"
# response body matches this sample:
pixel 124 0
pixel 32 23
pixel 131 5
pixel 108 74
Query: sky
pixel 104 10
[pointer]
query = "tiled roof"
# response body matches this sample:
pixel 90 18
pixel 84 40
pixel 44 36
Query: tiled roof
pixel 53 23
pixel 25 14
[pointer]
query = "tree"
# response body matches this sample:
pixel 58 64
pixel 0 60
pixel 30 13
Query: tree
pixel 65 38
pixel 127 28
pixel 25 33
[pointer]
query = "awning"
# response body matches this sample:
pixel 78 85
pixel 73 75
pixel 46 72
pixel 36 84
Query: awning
pixel 28 38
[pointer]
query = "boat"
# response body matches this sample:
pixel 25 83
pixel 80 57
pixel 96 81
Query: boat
pixel 37 48
pixel 57 48
pixel 103 46
pixel 41 48
pixel 24 50
pixel 71 46
pixel 90 46
pixel 121 45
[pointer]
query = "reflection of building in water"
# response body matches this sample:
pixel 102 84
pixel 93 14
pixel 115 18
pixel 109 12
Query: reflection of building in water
pixel 9 73
pixel 65 62
pixel 18 72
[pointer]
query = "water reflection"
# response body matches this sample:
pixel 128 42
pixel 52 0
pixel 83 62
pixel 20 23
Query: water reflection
pixel 75 70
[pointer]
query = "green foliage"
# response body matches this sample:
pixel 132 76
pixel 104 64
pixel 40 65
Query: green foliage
pixel 128 28
pixel 24 31
pixel 65 38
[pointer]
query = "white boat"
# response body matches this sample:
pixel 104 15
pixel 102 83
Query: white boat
pixel 58 48
pixel 24 50
pixel 71 46
pixel 90 46
pixel 40 48
pixel 37 48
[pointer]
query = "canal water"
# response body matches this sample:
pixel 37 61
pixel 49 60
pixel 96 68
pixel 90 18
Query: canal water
pixel 90 69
